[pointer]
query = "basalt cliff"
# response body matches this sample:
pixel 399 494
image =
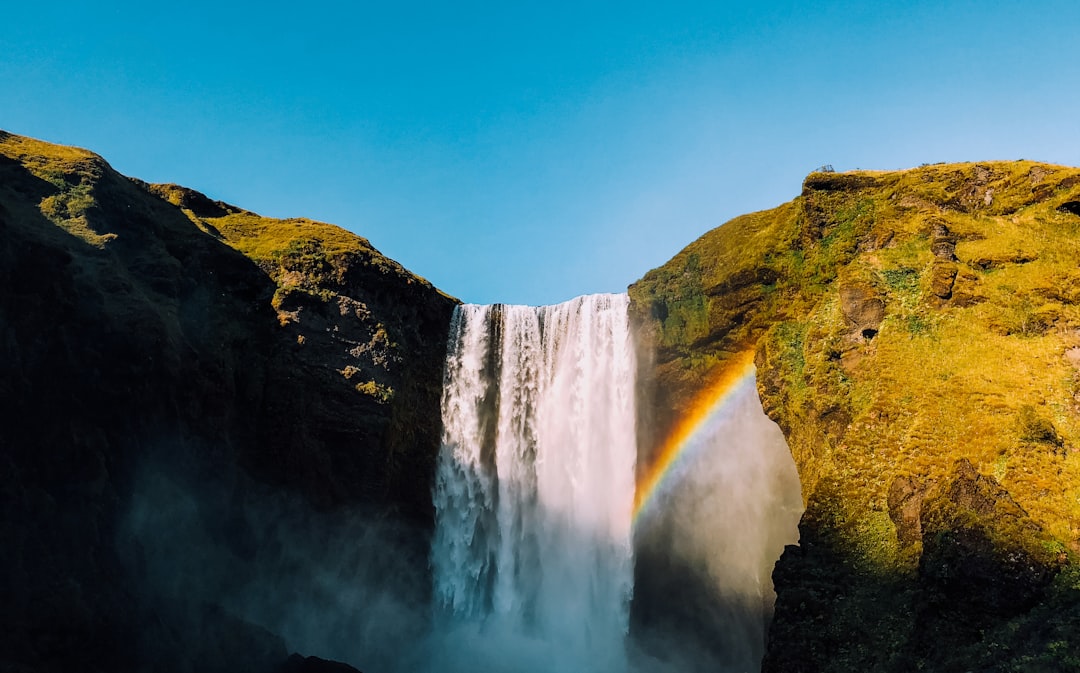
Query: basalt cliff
pixel 173 363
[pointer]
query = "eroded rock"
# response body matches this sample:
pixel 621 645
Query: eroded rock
pixel 942 277
pixel 863 307
pixel 943 242
pixel 905 508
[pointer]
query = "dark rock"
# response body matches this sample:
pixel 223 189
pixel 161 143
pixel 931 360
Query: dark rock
pixel 905 508
pixel 297 663
pixel 863 308
pixel 835 421
pixel 837 182
pixel 876 240
pixel 743 279
pixel 997 262
pixel 198 203
pixel 1069 182
pixel 223 642
pixel 1071 207
pixel 965 289
pixel 141 335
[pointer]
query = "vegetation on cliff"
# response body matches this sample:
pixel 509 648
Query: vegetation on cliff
pixel 148 324
pixel 361 323
pixel 918 341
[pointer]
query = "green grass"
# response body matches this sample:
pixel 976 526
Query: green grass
pixel 269 239
pixel 941 380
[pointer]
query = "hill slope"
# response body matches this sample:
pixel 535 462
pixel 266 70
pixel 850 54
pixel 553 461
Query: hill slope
pixel 918 340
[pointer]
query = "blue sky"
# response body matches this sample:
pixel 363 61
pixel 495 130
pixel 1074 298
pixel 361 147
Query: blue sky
pixel 531 152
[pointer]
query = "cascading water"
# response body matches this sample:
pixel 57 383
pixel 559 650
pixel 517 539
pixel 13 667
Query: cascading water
pixel 535 483
pixel 537 536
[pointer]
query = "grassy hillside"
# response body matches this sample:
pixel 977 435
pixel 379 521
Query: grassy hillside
pixel 918 341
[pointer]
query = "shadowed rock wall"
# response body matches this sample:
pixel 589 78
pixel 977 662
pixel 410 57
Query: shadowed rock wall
pixel 132 330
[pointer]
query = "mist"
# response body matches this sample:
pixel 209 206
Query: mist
pixel 706 546
pixel 234 575
pixel 347 585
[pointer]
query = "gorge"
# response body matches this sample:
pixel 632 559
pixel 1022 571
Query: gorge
pixel 222 439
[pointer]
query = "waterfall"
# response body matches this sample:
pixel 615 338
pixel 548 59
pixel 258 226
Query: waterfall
pixel 535 482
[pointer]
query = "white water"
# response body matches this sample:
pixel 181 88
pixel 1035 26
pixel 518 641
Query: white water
pixel 535 485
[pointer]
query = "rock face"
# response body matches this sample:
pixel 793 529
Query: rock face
pixel 913 333
pixel 299 664
pixel 148 323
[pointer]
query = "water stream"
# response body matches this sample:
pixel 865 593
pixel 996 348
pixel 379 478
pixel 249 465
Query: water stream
pixel 535 480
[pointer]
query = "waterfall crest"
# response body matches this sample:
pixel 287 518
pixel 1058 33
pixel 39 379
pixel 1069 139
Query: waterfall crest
pixel 535 479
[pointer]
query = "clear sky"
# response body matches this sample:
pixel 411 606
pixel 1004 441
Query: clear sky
pixel 527 152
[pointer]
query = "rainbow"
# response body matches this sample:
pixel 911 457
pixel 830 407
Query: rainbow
pixel 711 401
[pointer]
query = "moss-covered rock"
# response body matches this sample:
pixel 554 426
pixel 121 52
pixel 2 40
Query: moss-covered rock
pixel 905 323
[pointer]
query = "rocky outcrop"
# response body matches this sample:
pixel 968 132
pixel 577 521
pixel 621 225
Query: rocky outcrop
pixel 144 324
pixel 300 664
pixel 912 334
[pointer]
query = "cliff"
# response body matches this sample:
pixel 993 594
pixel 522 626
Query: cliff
pixel 145 325
pixel 917 339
